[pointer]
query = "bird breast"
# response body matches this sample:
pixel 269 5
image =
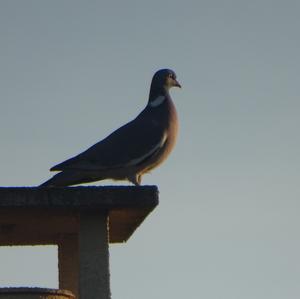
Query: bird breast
pixel 170 125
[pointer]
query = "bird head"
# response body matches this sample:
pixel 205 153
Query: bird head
pixel 164 78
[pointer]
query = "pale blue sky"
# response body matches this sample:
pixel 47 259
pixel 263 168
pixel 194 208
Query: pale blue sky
pixel 228 221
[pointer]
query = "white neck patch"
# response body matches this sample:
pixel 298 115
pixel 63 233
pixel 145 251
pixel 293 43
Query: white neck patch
pixel 158 101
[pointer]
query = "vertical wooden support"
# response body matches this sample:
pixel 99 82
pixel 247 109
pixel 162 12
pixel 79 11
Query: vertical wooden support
pixel 93 256
pixel 68 263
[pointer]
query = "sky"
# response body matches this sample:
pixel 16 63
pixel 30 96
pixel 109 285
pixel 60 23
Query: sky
pixel 228 221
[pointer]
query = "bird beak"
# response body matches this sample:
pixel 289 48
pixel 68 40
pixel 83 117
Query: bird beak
pixel 176 83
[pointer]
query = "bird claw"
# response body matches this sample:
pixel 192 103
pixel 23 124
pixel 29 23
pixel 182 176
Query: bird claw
pixel 135 179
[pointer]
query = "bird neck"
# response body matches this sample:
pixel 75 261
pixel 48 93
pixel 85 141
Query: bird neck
pixel 158 92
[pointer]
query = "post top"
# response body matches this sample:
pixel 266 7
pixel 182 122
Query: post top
pixel 21 292
pixel 56 210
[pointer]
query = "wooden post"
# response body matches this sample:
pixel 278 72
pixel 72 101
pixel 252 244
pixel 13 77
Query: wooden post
pixel 68 263
pixel 93 256
pixel 82 221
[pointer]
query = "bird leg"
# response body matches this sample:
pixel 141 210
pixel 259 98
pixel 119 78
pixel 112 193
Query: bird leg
pixel 135 179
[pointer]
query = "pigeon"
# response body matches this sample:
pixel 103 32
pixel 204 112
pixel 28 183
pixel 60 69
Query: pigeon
pixel 132 150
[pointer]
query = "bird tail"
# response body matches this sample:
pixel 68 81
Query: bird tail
pixel 68 178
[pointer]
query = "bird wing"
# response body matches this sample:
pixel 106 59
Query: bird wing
pixel 127 146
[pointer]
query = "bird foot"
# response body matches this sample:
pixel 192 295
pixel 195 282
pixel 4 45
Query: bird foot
pixel 135 179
